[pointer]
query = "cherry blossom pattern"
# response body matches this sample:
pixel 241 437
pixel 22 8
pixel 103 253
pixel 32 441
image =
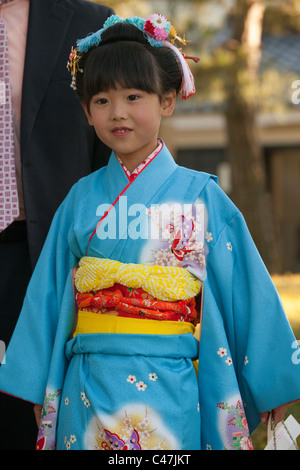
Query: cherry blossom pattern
pixel 141 386
pixel 153 376
pixel 208 237
pixel 69 442
pixel 144 435
pixel 144 423
pixel 86 402
pixel 127 421
pixel 229 246
pixel 222 352
pixel 131 379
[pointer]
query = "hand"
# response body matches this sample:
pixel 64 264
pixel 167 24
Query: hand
pixel 37 412
pixel 278 413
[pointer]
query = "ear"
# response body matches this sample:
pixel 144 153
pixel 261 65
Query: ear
pixel 168 103
pixel 87 113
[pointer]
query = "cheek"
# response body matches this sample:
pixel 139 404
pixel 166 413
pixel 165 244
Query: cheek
pixel 99 123
pixel 102 134
pixel 148 119
pixel 100 127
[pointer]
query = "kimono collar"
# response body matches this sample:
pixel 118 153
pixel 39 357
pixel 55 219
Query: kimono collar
pixel 143 187
pixel 156 172
pixel 131 176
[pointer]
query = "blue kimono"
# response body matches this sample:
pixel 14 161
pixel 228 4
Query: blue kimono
pixel 117 390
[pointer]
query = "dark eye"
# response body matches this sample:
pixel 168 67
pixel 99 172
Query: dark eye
pixel 133 97
pixel 102 101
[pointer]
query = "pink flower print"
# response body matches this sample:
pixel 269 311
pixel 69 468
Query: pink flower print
pixel 144 435
pixel 245 423
pixel 127 421
pixel 246 443
pixel 145 423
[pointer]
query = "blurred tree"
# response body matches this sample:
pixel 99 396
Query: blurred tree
pixel 239 60
pixel 236 63
pixel 244 152
pixel 125 8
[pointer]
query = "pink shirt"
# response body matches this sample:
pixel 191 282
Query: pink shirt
pixel 15 16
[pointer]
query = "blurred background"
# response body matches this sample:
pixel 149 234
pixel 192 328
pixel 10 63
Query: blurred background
pixel 243 125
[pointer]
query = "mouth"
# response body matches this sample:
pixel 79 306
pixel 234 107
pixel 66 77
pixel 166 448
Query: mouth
pixel 121 131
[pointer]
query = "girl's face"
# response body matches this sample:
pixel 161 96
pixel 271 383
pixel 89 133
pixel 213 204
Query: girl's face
pixel 128 121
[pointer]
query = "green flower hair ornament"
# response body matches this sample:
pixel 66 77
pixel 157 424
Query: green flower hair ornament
pixel 156 29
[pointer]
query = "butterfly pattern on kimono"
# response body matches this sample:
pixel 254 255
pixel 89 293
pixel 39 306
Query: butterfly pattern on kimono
pixel 116 443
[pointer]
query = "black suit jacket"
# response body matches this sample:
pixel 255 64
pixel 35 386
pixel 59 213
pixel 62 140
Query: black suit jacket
pixel 57 145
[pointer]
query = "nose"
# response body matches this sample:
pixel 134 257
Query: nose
pixel 118 112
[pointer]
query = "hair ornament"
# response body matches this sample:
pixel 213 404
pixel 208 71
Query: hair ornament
pixel 175 36
pixel 92 40
pixel 188 84
pixel 73 66
pixel 157 29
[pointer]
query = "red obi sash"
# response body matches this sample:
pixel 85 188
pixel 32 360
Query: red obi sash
pixel 130 302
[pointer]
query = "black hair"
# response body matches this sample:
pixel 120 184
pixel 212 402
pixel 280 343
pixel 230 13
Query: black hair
pixel 125 57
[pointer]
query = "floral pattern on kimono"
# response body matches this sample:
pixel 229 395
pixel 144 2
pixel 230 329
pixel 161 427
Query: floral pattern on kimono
pixel 48 421
pixel 235 426
pixel 177 237
pixel 132 428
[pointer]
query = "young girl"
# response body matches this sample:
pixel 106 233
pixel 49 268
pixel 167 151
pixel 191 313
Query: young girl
pixel 108 338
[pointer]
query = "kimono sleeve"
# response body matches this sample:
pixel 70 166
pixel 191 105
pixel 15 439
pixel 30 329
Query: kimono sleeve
pixel 265 342
pixel 246 347
pixel 47 310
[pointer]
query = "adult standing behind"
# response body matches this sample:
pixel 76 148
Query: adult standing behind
pixel 53 148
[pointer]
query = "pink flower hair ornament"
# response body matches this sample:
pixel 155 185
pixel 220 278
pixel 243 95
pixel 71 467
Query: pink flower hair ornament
pixel 157 30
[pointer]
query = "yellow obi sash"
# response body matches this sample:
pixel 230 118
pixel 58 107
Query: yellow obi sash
pixel 89 322
pixel 166 283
